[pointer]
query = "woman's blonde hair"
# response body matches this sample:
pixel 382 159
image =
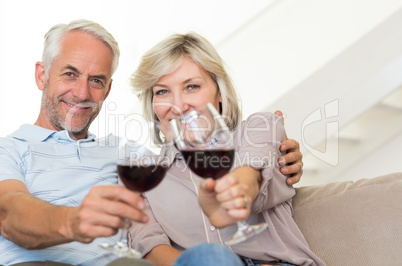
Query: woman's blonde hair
pixel 168 55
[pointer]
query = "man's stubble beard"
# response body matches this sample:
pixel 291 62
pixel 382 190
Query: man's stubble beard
pixel 50 106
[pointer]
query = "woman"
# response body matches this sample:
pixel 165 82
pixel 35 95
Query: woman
pixel 185 72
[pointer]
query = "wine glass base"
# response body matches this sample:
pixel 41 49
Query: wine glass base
pixel 245 233
pixel 121 250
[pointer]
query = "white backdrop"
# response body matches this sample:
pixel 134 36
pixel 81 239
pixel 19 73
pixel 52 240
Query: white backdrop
pixel 136 25
pixel 292 55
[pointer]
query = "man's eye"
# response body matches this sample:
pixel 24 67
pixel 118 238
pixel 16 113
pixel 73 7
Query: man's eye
pixel 96 83
pixel 70 74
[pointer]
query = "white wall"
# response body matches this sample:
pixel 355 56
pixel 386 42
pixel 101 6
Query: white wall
pixel 283 54
pixel 136 25
pixel 292 40
pixel 309 54
pixel 387 159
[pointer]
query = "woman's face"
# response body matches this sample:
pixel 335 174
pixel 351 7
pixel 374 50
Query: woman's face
pixel 187 88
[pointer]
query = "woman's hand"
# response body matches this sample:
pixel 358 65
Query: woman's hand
pixel 229 199
pixel 291 163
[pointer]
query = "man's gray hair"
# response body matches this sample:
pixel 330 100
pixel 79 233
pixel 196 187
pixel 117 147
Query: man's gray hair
pixel 54 36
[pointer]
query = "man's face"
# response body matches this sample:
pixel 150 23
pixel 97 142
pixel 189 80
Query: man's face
pixel 78 83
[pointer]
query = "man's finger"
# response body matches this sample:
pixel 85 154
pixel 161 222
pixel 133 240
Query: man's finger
pixel 294 179
pixel 289 144
pixel 279 113
pixel 119 193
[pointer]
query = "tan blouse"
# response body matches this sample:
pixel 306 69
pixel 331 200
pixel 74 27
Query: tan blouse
pixel 176 218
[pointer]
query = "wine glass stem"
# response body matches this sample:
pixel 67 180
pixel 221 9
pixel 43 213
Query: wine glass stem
pixel 123 235
pixel 242 225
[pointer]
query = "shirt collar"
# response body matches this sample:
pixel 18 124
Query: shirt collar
pixel 171 152
pixel 35 133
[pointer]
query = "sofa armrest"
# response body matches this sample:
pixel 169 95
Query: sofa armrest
pixel 353 223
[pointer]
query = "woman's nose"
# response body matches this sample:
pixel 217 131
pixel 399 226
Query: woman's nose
pixel 179 106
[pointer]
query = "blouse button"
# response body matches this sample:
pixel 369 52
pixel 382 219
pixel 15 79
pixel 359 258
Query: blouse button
pixel 212 228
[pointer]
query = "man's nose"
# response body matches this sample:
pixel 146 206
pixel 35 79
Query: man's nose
pixel 81 89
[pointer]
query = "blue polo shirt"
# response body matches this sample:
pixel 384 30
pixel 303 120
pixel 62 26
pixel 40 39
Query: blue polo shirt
pixel 61 171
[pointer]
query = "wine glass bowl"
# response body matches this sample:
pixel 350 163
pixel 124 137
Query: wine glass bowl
pixel 142 174
pixel 209 163
pixel 204 140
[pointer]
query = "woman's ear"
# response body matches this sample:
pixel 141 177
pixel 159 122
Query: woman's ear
pixel 220 104
pixel 40 75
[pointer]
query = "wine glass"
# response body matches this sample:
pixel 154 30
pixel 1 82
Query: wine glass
pixel 204 140
pixel 140 170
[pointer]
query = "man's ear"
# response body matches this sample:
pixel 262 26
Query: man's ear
pixel 40 75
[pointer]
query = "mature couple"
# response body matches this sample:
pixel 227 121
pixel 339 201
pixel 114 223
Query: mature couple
pixel 59 196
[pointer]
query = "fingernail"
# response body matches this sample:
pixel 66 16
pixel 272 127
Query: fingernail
pixel 284 170
pixel 145 219
pixel 202 184
pixel 281 161
pixel 141 205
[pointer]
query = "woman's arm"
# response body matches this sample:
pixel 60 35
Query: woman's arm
pixel 162 255
pixel 256 184
pixel 230 198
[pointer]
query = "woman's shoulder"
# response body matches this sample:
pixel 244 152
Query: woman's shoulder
pixel 262 126
pixel 263 118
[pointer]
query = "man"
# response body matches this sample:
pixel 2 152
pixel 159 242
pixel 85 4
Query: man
pixel 58 184
pixel 58 192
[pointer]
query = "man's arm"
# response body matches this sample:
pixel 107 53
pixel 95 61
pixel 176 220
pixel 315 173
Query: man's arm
pixel 33 224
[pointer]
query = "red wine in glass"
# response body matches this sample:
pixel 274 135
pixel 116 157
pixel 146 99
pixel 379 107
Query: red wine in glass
pixel 141 178
pixel 209 163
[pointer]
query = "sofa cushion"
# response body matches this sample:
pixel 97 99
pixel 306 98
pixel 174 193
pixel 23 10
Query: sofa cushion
pixel 353 223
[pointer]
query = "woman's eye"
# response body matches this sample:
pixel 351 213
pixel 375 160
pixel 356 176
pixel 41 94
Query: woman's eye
pixel 160 92
pixel 193 87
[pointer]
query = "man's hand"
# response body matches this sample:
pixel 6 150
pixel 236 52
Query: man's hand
pixel 103 212
pixel 291 163
pixel 34 224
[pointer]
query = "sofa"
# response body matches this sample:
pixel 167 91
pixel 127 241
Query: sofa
pixel 353 222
